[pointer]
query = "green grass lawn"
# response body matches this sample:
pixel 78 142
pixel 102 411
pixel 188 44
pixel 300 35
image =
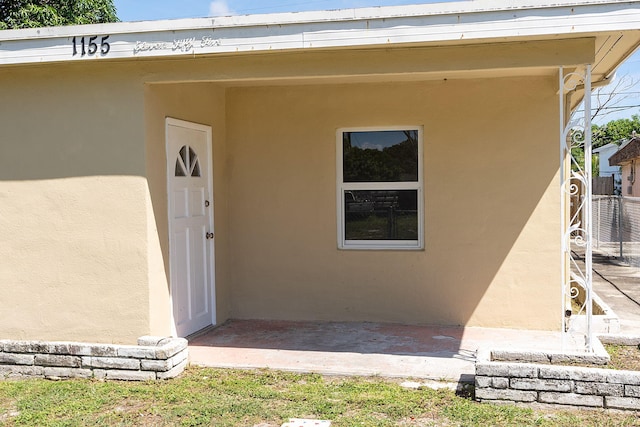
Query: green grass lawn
pixel 221 397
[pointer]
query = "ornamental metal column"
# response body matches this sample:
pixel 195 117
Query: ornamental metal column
pixel 575 209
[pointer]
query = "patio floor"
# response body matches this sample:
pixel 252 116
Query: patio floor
pixel 339 348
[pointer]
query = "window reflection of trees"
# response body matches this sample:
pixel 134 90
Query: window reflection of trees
pixel 397 162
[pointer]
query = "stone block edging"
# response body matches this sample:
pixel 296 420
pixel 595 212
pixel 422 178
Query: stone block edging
pixel 619 339
pixel 154 358
pixel 516 377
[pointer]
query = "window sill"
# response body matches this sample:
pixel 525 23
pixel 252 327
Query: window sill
pixel 382 246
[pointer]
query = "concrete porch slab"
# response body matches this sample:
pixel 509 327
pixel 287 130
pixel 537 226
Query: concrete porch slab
pixel 345 348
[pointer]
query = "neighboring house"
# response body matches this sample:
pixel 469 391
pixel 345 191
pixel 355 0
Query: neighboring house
pixel 628 158
pixel 605 170
pixel 394 164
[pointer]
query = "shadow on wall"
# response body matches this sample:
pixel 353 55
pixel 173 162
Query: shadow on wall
pixel 73 193
pixel 487 174
pixel 491 211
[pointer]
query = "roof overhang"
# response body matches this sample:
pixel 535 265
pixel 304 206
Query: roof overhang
pixel 613 24
pixel 626 154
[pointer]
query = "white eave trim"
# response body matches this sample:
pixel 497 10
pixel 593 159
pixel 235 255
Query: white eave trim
pixel 428 23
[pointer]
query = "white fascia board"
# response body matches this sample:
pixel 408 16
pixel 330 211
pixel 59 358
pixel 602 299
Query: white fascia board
pixel 439 22
pixel 609 146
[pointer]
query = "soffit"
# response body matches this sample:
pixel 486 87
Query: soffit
pixel 533 58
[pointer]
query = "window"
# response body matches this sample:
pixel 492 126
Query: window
pixel 187 163
pixel 380 188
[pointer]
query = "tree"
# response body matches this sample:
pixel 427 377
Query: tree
pixel 616 131
pixel 44 13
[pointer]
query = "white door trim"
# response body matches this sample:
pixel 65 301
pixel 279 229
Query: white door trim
pixel 170 165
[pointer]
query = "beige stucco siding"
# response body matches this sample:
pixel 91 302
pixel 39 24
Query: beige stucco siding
pixel 84 212
pixel 630 181
pixel 83 194
pixel 491 206
pixel 72 192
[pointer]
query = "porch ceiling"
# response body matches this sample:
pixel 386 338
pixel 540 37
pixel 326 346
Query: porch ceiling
pixel 375 64
pixel 611 50
pixel 419 62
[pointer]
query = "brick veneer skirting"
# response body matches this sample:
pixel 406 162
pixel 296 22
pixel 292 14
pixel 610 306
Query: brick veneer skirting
pixel 504 380
pixel 154 358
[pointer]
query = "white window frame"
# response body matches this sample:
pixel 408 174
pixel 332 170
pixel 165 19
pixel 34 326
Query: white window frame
pixel 351 186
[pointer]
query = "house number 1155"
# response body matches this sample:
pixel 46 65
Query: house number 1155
pixel 89 45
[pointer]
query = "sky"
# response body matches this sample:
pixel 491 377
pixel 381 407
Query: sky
pixel 143 10
pixel 140 10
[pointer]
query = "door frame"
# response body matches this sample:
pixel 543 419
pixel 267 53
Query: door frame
pixel 169 165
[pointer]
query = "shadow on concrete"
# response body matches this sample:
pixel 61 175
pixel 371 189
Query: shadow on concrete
pixel 359 348
pixel 348 348
pixel 342 337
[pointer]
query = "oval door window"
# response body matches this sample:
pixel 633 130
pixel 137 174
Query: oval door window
pixel 187 163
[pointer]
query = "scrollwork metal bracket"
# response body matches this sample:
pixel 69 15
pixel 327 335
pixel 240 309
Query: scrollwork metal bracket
pixel 576 195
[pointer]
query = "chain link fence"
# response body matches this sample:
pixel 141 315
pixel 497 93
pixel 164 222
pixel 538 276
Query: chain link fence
pixel 616 227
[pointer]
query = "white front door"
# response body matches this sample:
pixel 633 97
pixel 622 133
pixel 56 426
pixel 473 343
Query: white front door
pixel 190 225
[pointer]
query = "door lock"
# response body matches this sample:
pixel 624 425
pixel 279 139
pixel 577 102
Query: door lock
pixel 209 236
pixel 206 203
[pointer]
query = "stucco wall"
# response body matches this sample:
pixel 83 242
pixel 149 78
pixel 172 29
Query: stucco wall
pixel 491 204
pixel 84 202
pixel 84 216
pixel 73 196
pixel 630 187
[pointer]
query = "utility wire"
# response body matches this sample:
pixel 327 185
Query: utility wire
pixel 615 93
pixel 623 107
